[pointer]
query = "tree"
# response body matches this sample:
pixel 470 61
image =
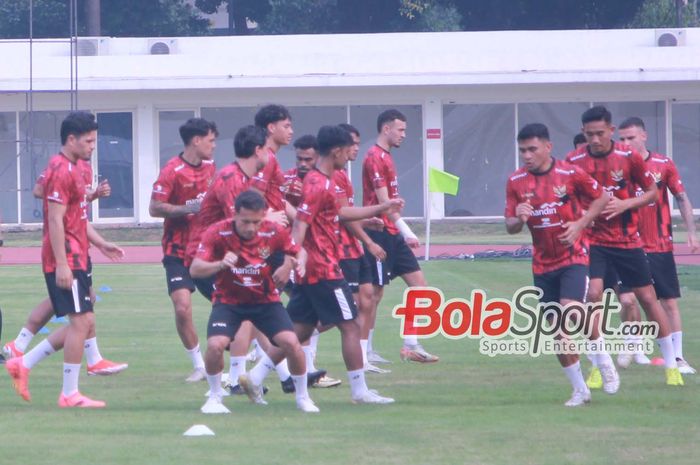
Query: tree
pixel 125 18
pixel 656 13
pixel 239 11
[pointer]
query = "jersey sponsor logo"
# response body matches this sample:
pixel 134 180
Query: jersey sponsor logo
pixel 266 234
pixel 157 188
pixel 176 279
pixel 252 270
pixel 178 168
pixel 219 324
pixel 518 176
pixel 56 197
pixel 547 209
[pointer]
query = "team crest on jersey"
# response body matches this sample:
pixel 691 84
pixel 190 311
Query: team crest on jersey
pixel 656 176
pixel 264 252
pixel 617 175
pixel 559 191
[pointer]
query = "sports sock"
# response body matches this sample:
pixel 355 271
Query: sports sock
pixel 283 370
pixel 71 373
pixel 214 384
pixel 92 352
pixel 236 369
pixel 410 341
pixel 677 339
pixel 196 357
pixel 23 339
pixel 369 341
pixel 309 355
pixel 358 386
pixel 573 372
pixel 37 354
pixel 313 340
pixel 667 352
pixel 300 387
pixel 259 372
pixel 593 358
pixel 363 344
pixel 602 356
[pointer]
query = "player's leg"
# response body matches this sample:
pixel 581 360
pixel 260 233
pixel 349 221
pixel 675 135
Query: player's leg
pixel 221 327
pixel 412 350
pixel 630 313
pixel 37 319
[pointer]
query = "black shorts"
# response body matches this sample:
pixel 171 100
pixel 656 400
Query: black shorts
pixel 663 271
pixel 89 271
pixel 400 259
pixel 73 300
pixel 611 280
pixel 569 282
pixel 269 319
pixel 177 274
pixel 631 265
pixel 329 302
pixel 357 271
pixel 205 286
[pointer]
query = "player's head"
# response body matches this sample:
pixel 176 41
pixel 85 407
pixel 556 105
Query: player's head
pixel 79 134
pixel 355 134
pixel 306 150
pixel 334 142
pixel 277 121
pixel 249 142
pixel 250 209
pixel 633 133
pixel 598 129
pixel 200 135
pixel 391 126
pixel 580 141
pixel 534 147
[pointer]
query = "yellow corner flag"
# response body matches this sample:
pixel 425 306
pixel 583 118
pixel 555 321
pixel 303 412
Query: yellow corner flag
pixel 441 181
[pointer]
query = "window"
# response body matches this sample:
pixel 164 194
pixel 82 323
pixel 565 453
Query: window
pixel 562 119
pixel 652 113
pixel 115 162
pixel 228 122
pixel 686 147
pixel 169 123
pixel 8 167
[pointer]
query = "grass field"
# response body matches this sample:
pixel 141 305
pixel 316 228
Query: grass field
pixel 467 409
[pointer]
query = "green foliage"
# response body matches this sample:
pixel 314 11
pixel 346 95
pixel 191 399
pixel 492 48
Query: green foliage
pixel 662 13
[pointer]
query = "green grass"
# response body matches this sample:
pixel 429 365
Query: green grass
pixel 467 409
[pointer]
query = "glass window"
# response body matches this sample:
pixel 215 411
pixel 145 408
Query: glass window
pixel 686 147
pixel 408 158
pixel 115 162
pixel 8 167
pixel 34 156
pixel 479 147
pixel 562 119
pixel 228 122
pixel 170 143
pixel 652 113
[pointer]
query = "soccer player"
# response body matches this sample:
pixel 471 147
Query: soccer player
pixel 548 196
pixel 656 230
pixel 614 236
pixel 322 295
pixel 64 261
pixel 579 141
pixel 236 251
pixel 306 152
pixel 41 314
pixel 380 184
pixel 177 196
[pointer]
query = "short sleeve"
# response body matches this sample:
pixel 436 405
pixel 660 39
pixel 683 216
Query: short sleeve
pixel 511 200
pixel 673 179
pixel 58 186
pixel 585 186
pixel 163 187
pixel 638 171
pixel 210 248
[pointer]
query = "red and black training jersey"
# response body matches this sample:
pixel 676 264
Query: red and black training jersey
pixel 181 183
pixel 292 187
pixel 270 181
pixel 655 225
pixel 378 171
pixel 350 246
pixel 218 204
pixel 619 172
pixel 319 209
pixel 250 280
pixel 64 184
pixel 557 197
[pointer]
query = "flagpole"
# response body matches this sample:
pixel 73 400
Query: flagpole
pixel 427 226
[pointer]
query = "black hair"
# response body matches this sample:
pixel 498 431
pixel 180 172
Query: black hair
pixel 77 123
pixel 579 139
pixel 596 113
pixel 330 137
pixel 350 128
pixel 247 139
pixel 271 114
pixel 250 200
pixel 196 127
pixel 306 142
pixel 530 131
pixel 632 121
pixel 387 116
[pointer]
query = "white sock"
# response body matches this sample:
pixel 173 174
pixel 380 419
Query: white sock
pixel 300 387
pixel 259 372
pixel 602 356
pixel 92 352
pixel 410 341
pixel 196 356
pixel 363 344
pixel 309 354
pixel 369 341
pixel 23 339
pixel 593 358
pixel 37 354
pixel 313 340
pixel 667 352
pixel 71 373
pixel 358 386
pixel 258 350
pixel 283 370
pixel 236 369
pixel 573 372
pixel 677 339
pixel 214 384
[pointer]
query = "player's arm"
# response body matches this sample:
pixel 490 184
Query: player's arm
pixel 408 235
pixel 514 224
pixel 686 209
pixel 38 190
pixel 387 207
pixel 615 206
pixel 290 211
pixel 57 239
pixel 108 249
pixel 201 268
pixel 355 228
pixel 573 229
pixel 103 190
pixel 159 209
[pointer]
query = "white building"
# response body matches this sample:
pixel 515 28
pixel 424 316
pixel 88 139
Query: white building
pixel 465 95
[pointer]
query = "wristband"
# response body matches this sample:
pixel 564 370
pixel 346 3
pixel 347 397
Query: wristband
pixel 404 229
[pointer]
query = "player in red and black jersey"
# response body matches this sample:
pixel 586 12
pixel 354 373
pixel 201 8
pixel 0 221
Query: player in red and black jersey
pixel 548 196
pixel 614 237
pixel 379 184
pixel 656 230
pixel 306 156
pixel 237 252
pixel 177 197
pixel 65 259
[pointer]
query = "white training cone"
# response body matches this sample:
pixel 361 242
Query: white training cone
pixel 199 430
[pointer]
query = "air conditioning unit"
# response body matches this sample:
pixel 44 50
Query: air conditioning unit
pixel 92 46
pixel 162 46
pixel 670 37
